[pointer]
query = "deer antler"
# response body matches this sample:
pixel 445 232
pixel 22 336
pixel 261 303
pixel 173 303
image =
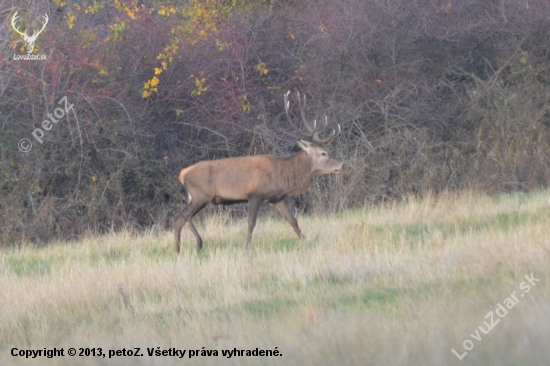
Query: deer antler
pixel 13 20
pixel 46 19
pixel 312 131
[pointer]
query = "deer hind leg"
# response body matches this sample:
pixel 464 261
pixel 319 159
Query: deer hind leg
pixel 184 216
pixel 179 221
pixel 254 203
pixel 282 207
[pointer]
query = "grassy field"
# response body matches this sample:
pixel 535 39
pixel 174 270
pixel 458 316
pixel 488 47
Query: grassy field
pixel 398 285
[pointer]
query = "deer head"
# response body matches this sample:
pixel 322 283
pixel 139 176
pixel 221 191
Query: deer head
pixel 29 40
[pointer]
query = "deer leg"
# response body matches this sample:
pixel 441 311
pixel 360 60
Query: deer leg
pixel 282 207
pixel 179 221
pixel 185 215
pixel 254 203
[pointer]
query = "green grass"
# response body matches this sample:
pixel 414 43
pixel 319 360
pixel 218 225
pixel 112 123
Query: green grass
pixel 28 267
pixel 395 285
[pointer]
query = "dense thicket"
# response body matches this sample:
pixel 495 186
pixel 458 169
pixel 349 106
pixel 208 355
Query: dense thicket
pixel 431 96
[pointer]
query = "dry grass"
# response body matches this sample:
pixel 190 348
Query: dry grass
pixel 400 285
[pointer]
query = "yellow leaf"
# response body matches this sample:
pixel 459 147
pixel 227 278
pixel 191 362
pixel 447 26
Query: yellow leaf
pixel 70 19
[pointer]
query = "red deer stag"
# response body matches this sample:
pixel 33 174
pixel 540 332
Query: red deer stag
pixel 257 179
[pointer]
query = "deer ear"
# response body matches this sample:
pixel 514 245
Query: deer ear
pixel 304 145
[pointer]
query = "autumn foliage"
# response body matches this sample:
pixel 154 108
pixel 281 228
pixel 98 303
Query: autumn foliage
pixel 431 96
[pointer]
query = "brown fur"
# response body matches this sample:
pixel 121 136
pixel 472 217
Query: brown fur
pixel 253 179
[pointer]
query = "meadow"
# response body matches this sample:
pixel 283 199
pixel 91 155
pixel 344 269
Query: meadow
pixel 401 284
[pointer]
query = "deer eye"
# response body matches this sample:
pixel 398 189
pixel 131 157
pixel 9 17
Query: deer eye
pixel 324 153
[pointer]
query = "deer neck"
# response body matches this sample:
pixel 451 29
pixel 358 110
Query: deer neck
pixel 299 177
